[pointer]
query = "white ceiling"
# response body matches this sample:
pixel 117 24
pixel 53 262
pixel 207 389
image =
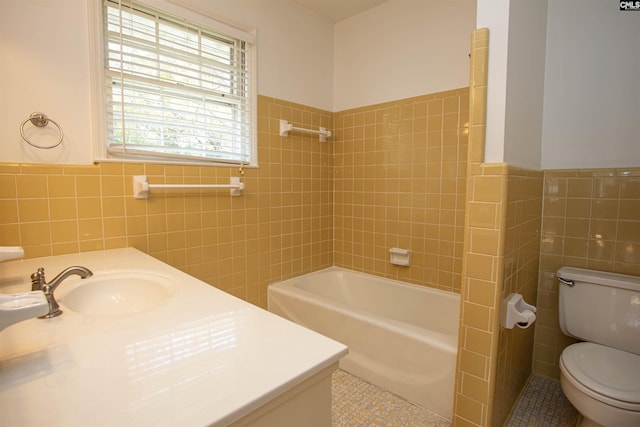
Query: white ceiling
pixel 337 10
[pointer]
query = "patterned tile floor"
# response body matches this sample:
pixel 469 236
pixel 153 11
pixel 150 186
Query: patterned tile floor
pixel 357 403
pixel 543 404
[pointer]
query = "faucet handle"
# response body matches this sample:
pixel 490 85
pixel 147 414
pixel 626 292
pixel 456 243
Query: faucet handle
pixel 37 280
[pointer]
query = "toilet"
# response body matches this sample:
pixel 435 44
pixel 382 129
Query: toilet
pixel 601 375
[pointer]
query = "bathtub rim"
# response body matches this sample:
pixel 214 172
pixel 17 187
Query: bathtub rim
pixel 443 341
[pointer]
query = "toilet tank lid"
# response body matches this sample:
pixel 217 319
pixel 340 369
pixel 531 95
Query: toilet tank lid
pixel 623 281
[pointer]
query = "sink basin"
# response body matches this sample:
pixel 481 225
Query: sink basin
pixel 113 293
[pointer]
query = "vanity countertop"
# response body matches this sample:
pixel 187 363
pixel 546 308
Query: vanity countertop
pixel 203 357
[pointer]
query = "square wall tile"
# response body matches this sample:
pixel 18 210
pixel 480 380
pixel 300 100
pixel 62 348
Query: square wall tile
pixel 598 231
pixel 398 165
pixel 51 209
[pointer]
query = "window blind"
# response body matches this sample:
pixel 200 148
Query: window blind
pixel 173 88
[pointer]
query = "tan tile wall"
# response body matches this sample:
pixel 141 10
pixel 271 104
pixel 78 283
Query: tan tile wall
pixel 280 227
pixel 501 253
pixel 485 215
pixel 482 280
pixel 591 219
pixel 400 172
pixel 521 256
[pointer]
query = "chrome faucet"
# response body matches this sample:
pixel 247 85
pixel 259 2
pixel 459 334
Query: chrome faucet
pixel 38 283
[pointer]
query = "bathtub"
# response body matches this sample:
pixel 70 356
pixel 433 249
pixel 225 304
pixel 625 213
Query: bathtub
pixel 401 337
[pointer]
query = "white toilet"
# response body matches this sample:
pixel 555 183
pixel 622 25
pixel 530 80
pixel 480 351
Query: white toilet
pixel 601 376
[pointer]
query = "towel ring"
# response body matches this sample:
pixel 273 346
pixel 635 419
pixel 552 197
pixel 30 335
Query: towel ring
pixel 40 120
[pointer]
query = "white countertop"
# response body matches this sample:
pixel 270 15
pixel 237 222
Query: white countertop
pixel 202 358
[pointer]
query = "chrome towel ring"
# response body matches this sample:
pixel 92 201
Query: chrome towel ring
pixel 40 120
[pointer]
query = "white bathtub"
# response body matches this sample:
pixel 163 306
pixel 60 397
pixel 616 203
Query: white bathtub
pixel 401 337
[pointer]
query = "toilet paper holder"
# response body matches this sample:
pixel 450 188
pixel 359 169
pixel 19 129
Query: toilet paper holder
pixel 517 312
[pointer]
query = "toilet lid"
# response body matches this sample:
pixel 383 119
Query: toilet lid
pixel 607 371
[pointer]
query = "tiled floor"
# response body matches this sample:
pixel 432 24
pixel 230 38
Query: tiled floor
pixel 358 403
pixel 543 404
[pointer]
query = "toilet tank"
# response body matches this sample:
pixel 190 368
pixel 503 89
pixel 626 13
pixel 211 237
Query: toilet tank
pixel 600 307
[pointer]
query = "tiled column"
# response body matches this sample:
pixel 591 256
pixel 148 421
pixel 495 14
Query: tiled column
pixel 482 259
pixel 501 247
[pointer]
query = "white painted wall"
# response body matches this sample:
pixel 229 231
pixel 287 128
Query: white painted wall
pixel 44 57
pixel 591 99
pixel 494 15
pixel 517 34
pixel 400 49
pixel 295 46
pixel 591 96
pixel 592 86
pixel 44 67
pixel 525 83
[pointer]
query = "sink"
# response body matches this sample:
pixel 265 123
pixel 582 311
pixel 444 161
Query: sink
pixel 119 292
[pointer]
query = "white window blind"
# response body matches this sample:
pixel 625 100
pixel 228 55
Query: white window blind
pixel 173 88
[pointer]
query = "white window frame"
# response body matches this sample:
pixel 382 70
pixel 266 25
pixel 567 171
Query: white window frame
pixel 99 97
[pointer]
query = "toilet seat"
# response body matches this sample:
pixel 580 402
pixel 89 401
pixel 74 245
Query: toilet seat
pixel 606 374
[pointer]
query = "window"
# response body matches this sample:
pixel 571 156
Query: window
pixel 175 89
